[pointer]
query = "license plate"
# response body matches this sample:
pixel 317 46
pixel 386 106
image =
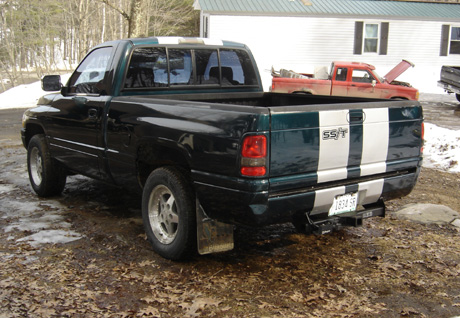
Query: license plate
pixel 344 203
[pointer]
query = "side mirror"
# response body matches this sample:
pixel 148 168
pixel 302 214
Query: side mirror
pixel 374 82
pixel 51 83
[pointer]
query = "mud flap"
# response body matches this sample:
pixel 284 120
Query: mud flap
pixel 212 236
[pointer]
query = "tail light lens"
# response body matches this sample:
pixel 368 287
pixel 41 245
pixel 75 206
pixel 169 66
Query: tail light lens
pixel 254 156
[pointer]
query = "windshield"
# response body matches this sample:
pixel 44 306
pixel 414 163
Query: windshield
pixel 381 80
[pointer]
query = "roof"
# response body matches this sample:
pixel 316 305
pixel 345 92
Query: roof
pixel 376 8
pixel 357 64
pixel 175 40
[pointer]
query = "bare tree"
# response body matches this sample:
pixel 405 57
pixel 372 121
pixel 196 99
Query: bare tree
pixel 133 18
pixel 40 36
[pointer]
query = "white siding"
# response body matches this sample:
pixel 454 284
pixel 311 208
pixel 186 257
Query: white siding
pixel 301 43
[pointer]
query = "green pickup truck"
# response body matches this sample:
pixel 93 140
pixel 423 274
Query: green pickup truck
pixel 186 121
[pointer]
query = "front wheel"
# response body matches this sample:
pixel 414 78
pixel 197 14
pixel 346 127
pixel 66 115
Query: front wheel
pixel 458 97
pixel 168 214
pixel 46 176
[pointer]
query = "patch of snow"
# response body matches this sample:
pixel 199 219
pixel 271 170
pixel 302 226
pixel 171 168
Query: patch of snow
pixel 442 148
pixel 5 188
pixel 51 236
pixel 13 208
pixel 32 224
pixel 24 96
pixel 44 220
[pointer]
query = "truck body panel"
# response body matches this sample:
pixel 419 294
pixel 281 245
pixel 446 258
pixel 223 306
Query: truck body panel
pixel 152 103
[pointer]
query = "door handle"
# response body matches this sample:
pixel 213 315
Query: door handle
pixel 79 101
pixel 356 116
pixel 92 113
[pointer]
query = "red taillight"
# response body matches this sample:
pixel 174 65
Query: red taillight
pixel 254 156
pixel 253 171
pixel 254 147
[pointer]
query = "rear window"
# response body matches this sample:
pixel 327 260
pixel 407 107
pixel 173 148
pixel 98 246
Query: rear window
pixel 153 67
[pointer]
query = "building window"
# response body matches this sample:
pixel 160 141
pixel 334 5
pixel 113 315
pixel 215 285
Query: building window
pixel 371 38
pixel 454 40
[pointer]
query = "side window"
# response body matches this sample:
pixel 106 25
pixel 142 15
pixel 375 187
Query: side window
pixel 148 68
pixel 180 67
pixel 454 40
pixel 341 74
pixel 362 76
pixel 88 77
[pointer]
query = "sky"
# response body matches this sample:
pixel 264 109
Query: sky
pixel 441 150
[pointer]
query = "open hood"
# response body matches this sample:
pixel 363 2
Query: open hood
pixel 397 70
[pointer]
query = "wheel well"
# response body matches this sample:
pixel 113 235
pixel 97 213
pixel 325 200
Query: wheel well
pixel 32 130
pixel 151 157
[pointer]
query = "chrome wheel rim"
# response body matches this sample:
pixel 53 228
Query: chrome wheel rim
pixel 36 166
pixel 163 216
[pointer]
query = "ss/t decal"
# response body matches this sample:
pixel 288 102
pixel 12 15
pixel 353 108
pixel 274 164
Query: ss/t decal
pixel 335 133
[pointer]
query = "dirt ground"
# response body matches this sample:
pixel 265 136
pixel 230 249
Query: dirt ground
pixel 387 268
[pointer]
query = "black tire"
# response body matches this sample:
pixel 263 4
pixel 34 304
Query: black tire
pixel 46 175
pixel 168 213
pixel 458 97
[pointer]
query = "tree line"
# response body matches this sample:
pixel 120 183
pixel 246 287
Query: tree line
pixel 41 36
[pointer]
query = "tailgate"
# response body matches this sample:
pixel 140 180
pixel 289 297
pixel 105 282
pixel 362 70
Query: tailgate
pixel 315 147
pixel 451 75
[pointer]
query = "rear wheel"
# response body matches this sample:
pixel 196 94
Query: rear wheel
pixel 46 175
pixel 168 214
pixel 458 97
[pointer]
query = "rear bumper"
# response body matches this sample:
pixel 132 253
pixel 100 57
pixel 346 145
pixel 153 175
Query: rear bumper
pixel 329 224
pixel 257 208
pixel 449 88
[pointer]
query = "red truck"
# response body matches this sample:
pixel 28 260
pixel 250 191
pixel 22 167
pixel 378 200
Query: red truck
pixel 347 79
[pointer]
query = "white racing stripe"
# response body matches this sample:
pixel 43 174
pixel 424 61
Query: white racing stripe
pixel 168 40
pixel 375 141
pixel 370 191
pixel 181 40
pixel 324 199
pixel 334 145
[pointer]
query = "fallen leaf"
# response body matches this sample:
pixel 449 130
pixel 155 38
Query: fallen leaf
pixel 148 312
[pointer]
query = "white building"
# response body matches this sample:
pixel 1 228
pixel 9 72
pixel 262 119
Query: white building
pixel 303 34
